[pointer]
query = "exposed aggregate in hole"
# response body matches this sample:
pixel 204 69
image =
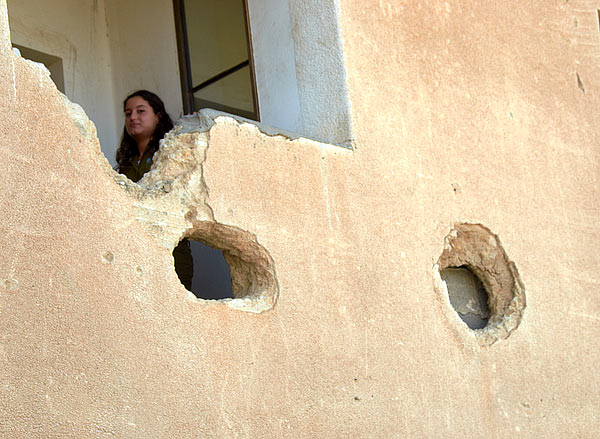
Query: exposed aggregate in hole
pixel 477 248
pixel 251 267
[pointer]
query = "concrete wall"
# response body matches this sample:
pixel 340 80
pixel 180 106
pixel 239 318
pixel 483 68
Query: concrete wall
pixel 463 113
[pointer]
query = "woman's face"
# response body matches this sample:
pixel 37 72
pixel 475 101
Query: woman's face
pixel 140 119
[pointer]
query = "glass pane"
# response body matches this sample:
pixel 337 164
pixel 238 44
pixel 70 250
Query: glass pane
pixel 217 42
pixel 230 92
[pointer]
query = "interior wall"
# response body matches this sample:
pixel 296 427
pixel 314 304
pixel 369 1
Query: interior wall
pixel 143 49
pixel 75 31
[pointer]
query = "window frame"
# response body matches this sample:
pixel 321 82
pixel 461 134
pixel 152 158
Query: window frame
pixel 185 70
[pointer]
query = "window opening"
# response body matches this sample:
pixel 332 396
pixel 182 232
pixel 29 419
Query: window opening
pixel 215 57
pixel 467 296
pixel 53 63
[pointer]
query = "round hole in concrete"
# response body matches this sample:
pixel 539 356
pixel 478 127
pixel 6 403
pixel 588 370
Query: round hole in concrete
pixel 467 296
pixel 474 248
pixel 245 270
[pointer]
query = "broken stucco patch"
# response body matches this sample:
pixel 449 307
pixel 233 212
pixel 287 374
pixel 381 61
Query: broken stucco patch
pixel 206 118
pixel 171 203
pixel 11 285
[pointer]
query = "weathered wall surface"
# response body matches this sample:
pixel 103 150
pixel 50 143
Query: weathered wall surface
pixel 463 112
pixel 472 112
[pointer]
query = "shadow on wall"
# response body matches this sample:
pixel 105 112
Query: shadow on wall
pixel 212 279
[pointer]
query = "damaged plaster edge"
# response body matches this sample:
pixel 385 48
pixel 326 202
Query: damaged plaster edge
pixel 37 69
pixel 84 125
pixel 136 193
pixel 206 118
pixel 205 189
pixel 155 180
pixel 495 331
pixel 251 305
pixel 87 129
pixel 81 120
pixel 41 67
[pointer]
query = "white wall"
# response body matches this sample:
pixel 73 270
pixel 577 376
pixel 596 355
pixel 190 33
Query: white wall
pixel 143 48
pixel 75 31
pixel 275 64
pixel 321 70
pixel 300 71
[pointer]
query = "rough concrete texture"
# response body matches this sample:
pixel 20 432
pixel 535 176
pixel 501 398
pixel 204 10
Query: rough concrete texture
pixel 463 113
pixel 475 247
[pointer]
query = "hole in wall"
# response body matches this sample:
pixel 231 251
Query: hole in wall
pixel 203 270
pixel 472 254
pixel 467 296
pixel 236 265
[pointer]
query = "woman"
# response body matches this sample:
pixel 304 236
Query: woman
pixel 146 123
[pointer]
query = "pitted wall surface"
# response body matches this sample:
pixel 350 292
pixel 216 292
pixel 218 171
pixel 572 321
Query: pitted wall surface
pixel 463 113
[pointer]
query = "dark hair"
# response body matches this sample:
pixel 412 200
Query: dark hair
pixel 128 148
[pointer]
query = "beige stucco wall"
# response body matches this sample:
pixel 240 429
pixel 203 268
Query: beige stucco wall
pixel 462 112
